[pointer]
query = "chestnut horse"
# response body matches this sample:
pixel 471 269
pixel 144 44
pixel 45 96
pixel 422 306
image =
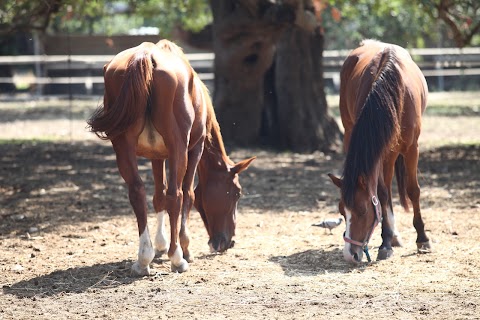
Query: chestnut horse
pixel 383 95
pixel 155 106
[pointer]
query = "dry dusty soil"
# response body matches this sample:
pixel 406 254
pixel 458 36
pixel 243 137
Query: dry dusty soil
pixel 68 235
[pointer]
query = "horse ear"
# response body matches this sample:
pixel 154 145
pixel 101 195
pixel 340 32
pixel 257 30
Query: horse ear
pixel 242 165
pixel 336 181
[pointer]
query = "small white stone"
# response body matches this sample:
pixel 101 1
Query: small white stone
pixel 32 230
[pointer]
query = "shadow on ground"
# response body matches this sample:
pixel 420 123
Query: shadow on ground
pixel 63 183
pixel 74 280
pixel 314 262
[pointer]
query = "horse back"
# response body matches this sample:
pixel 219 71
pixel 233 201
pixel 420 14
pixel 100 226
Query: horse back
pixel 358 74
pixel 173 109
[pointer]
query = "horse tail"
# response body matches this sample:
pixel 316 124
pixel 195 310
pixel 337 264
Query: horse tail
pixel 378 127
pixel 113 119
pixel 400 173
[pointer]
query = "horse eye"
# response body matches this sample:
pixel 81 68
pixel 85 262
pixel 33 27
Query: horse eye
pixel 362 213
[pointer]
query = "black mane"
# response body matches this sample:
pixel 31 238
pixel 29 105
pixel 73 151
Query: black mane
pixel 376 126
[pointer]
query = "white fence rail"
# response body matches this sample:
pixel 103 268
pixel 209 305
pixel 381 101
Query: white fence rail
pixel 41 70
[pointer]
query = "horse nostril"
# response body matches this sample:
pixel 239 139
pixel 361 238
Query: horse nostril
pixel 355 256
pixel 220 243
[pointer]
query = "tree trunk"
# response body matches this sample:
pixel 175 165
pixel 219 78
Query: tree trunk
pixel 244 37
pixel 283 105
pixel 299 115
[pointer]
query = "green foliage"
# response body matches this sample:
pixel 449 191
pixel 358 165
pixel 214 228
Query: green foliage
pixel 405 23
pixel 23 15
pixel 410 23
pixel 102 16
pixel 106 17
pixel 190 14
pixel 462 17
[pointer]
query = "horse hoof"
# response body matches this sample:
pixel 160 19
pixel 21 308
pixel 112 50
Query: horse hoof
pixel 384 254
pixel 396 242
pixel 189 258
pixel 424 247
pixel 159 253
pixel 180 268
pixel 139 271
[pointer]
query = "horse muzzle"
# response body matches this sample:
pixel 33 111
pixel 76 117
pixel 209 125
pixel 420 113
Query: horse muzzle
pixel 352 253
pixel 220 243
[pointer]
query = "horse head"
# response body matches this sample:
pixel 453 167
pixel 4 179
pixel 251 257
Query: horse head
pixel 216 199
pixel 361 217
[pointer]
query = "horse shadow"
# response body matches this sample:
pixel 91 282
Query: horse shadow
pixel 315 262
pixel 75 280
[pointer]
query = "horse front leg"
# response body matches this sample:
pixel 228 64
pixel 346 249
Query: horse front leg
pixel 385 251
pixel 413 191
pixel 127 166
pixel 390 237
pixel 159 204
pixel 177 169
pixel 194 156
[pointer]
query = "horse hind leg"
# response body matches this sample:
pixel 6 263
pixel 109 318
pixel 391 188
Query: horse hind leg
pixel 127 166
pixel 159 204
pixel 413 191
pixel 396 238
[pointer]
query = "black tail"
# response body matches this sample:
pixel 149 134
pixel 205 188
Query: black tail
pixel 400 174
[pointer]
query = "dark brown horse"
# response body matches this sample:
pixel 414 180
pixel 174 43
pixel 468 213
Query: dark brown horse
pixel 155 106
pixel 383 95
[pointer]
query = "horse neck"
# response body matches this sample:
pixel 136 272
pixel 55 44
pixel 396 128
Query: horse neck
pixel 214 157
pixel 372 180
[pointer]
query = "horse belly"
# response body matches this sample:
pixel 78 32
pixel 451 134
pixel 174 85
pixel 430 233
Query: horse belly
pixel 151 144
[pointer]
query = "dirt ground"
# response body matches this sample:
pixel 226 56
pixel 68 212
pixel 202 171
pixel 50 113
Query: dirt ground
pixel 68 235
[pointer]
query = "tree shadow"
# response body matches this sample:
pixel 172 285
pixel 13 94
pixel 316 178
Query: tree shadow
pixel 75 280
pixel 48 109
pixel 315 262
pixel 297 182
pixel 60 183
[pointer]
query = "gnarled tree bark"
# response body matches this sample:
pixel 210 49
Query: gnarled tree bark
pixel 269 75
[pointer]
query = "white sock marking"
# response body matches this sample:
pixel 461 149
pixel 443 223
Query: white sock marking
pixel 177 256
pixel 391 222
pixel 145 249
pixel 161 243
